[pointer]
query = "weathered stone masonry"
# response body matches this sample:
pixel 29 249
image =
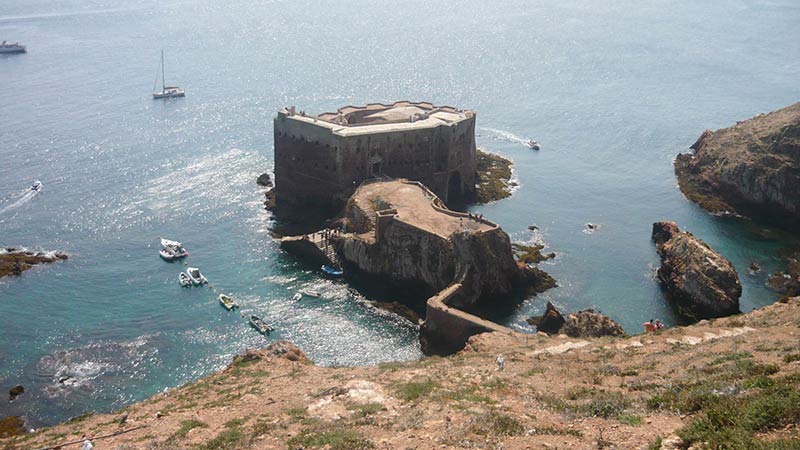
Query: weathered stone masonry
pixel 321 160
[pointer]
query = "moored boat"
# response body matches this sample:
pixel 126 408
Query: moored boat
pixel 310 293
pixel 172 250
pixel 259 324
pixel 332 271
pixel 227 302
pixel 184 279
pixel 166 91
pixel 297 297
pixel 195 275
pixel 12 47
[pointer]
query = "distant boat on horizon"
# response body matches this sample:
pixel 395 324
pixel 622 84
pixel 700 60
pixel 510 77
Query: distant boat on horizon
pixel 166 91
pixel 12 47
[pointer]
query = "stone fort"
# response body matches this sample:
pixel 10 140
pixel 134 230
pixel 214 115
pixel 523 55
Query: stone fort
pixel 321 160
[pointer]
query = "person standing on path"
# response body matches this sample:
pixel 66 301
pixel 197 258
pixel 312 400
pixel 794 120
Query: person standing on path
pixel 500 362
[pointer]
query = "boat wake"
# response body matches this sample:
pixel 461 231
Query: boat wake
pixel 502 135
pixel 21 201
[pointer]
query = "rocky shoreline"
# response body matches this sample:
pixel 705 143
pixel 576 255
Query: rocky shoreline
pixel 14 261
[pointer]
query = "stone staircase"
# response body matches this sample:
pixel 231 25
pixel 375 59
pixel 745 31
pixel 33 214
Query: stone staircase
pixel 327 248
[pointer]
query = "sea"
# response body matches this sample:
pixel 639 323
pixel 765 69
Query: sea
pixel 613 91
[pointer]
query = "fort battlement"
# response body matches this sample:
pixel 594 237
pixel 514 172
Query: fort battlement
pixel 321 160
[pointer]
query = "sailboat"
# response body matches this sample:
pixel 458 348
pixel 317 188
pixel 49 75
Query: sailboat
pixel 166 91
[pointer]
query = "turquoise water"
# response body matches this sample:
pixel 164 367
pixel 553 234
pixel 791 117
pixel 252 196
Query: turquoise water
pixel 613 93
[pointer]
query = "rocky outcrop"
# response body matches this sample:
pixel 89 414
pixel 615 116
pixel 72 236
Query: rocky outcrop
pixel 550 322
pixel 264 180
pixel 11 426
pixel 787 281
pixel 583 324
pixel 279 349
pixel 587 323
pixel 14 261
pixel 700 282
pixel 751 168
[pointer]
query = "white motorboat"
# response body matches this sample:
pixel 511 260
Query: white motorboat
pixel 184 279
pixel 166 91
pixel 37 186
pixel 259 324
pixel 297 297
pixel 12 47
pixel 227 302
pixel 310 293
pixel 196 276
pixel 533 145
pixel 172 250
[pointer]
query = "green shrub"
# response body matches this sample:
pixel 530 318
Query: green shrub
pixel 414 390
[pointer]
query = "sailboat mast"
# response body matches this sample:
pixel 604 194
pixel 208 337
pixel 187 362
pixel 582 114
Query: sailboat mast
pixel 163 81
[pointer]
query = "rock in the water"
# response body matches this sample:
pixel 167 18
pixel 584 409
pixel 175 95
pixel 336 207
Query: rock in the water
pixel 701 282
pixel 15 392
pixel 14 262
pixel 264 180
pixel 550 322
pixel 750 168
pixel 588 323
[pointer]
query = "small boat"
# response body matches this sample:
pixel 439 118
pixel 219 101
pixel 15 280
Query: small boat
pixel 310 293
pixel 172 250
pixel 332 271
pixel 260 325
pixel 297 297
pixel 184 279
pixel 227 302
pixel 12 47
pixel 36 186
pixel 166 91
pixel 195 275
pixel 533 145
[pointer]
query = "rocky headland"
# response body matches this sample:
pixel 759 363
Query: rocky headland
pixel 723 383
pixel 700 282
pixel 15 261
pixel 749 169
pixel 399 232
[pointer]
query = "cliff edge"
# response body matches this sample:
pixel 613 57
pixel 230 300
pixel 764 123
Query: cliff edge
pixel 726 383
pixel 751 168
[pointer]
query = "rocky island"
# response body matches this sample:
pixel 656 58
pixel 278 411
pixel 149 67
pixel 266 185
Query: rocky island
pixel 751 168
pixel 15 261
pixel 700 282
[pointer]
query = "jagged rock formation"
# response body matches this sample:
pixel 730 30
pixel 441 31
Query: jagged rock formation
pixel 397 231
pixel 550 322
pixel 586 323
pixel 752 167
pixel 701 282
pixel 14 261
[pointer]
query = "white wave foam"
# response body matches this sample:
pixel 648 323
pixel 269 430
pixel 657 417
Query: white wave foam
pixel 26 197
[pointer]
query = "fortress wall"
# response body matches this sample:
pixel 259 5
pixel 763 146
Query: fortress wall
pixel 446 330
pixel 315 166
